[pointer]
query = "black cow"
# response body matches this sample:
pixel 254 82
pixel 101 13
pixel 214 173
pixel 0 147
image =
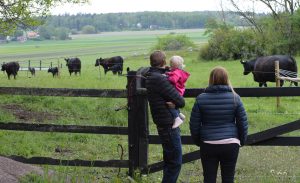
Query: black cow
pixel 53 70
pixel 263 68
pixel 116 69
pixel 11 68
pixel 32 71
pixel 74 65
pixel 114 64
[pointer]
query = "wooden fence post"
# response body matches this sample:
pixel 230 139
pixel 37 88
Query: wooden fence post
pixel 138 131
pixel 40 65
pixel 277 81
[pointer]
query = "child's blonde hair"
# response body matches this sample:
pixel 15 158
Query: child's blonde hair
pixel 177 61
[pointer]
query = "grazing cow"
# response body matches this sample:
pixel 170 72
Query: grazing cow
pixel 263 68
pixel 74 65
pixel 32 71
pixel 53 70
pixel 11 68
pixel 115 64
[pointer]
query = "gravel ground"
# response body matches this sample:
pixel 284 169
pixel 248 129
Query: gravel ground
pixel 11 171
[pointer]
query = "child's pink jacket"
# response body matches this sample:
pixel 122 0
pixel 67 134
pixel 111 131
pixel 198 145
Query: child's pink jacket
pixel 178 78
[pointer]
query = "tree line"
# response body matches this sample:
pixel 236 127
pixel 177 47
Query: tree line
pixel 95 23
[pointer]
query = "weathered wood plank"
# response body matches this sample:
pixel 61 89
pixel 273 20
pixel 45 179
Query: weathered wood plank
pixel 253 92
pixel 109 93
pixel 64 128
pixel 273 132
pixel 76 162
pixel 273 141
pixel 65 92
pixel 279 141
pixel 252 139
pixel 192 156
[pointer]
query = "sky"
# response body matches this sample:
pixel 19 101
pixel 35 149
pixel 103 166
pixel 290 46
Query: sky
pixel 115 6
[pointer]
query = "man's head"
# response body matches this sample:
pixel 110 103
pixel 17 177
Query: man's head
pixel 158 59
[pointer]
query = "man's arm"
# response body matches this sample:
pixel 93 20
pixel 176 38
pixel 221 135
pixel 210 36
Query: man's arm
pixel 169 93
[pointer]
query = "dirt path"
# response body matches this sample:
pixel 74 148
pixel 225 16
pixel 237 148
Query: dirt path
pixel 11 171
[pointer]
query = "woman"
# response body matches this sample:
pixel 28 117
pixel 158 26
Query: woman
pixel 218 124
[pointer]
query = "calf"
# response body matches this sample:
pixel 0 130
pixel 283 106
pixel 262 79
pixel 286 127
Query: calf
pixel 11 68
pixel 116 69
pixel 53 70
pixel 32 71
pixel 114 64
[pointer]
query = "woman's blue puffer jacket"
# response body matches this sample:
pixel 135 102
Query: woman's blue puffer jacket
pixel 218 113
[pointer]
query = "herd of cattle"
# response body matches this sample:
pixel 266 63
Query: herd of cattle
pixel 262 68
pixel 114 64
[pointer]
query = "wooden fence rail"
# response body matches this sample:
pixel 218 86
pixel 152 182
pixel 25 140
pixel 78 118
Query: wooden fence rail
pixel 64 128
pixel 64 92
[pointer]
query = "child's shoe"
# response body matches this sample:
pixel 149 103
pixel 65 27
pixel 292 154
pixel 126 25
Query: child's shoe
pixel 182 116
pixel 177 122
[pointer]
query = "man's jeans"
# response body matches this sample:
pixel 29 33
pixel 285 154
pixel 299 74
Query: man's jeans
pixel 172 153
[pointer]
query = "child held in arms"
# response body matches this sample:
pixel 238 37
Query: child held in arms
pixel 177 77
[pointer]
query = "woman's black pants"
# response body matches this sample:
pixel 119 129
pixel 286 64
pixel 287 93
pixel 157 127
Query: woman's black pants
pixel 214 154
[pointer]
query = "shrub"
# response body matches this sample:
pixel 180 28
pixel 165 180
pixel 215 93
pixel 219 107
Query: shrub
pixel 173 42
pixel 88 29
pixel 231 43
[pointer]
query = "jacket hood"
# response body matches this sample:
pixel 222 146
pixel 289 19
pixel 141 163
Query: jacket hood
pixel 218 89
pixel 157 69
pixel 182 73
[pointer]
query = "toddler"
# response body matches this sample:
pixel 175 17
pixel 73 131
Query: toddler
pixel 177 77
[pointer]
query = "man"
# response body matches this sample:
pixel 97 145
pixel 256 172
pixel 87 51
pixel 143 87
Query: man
pixel 160 91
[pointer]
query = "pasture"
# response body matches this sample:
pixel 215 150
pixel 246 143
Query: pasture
pixel 255 164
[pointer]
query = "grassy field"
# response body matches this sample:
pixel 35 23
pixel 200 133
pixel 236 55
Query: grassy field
pixel 255 164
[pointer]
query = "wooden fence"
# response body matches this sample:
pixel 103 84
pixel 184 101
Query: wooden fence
pixel 138 124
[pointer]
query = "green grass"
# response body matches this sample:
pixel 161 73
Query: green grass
pixel 255 164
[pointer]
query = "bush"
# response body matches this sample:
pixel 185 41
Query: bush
pixel 88 29
pixel 231 43
pixel 62 33
pixel 173 42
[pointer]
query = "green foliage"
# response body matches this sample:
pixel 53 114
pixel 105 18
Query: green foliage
pixel 173 42
pixel 46 32
pixel 18 33
pixel 229 43
pixel 62 33
pixel 88 29
pixel 26 13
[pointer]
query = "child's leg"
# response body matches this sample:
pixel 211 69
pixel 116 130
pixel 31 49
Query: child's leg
pixel 174 112
pixel 177 120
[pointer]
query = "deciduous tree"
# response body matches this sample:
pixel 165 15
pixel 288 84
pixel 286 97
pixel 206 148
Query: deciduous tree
pixel 26 13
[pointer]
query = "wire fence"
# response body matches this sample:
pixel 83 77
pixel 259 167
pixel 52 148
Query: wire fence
pixel 20 59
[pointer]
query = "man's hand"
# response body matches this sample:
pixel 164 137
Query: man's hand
pixel 171 105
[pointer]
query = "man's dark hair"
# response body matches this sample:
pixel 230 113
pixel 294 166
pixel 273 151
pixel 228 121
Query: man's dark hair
pixel 157 59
